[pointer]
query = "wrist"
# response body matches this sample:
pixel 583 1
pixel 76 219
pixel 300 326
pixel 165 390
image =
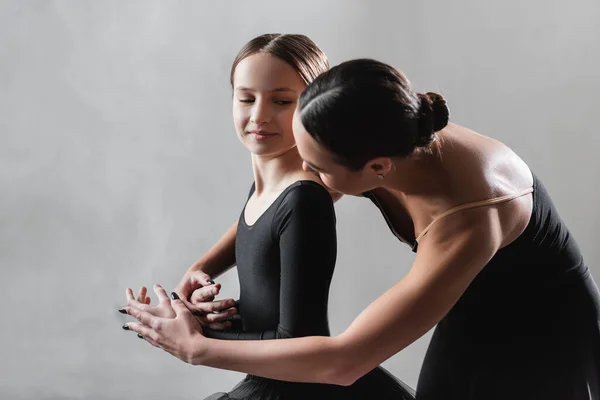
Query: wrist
pixel 199 350
pixel 199 267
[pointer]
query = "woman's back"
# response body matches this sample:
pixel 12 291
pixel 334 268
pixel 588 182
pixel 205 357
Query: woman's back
pixel 527 326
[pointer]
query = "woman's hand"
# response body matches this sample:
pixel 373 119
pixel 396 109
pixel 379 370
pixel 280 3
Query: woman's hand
pixel 179 335
pixel 142 298
pixel 163 309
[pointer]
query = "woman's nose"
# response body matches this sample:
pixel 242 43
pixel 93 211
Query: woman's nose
pixel 306 168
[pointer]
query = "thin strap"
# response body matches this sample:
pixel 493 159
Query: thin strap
pixel 487 202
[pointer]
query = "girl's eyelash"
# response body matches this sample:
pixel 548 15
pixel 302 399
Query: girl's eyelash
pixel 280 102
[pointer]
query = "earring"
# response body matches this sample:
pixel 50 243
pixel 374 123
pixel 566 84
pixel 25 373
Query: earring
pixel 380 176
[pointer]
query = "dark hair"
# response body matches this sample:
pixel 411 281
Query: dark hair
pixel 297 50
pixel 362 109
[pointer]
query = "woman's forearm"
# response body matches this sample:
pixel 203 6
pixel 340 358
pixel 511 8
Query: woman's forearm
pixel 221 257
pixel 318 359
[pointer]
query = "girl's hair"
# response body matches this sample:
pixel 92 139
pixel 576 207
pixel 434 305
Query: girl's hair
pixel 298 51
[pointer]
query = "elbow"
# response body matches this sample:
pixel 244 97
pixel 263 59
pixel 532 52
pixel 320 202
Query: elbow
pixel 343 369
pixel 346 375
pixel 343 379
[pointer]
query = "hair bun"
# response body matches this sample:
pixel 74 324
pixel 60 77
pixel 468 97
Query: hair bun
pixel 433 117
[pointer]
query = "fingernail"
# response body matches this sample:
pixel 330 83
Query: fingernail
pixel 140 336
pixel 211 281
pixel 174 296
pixel 198 313
pixel 126 327
pixel 122 311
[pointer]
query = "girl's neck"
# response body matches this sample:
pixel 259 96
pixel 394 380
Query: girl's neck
pixel 272 173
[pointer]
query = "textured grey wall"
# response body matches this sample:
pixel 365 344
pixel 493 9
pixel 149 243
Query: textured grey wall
pixel 119 165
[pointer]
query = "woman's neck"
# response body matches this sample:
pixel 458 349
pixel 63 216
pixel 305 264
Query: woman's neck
pixel 421 173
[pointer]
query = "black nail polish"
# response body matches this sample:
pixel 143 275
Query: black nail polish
pixel 126 327
pixel 174 296
pixel 122 311
pixel 198 313
pixel 140 336
pixel 211 281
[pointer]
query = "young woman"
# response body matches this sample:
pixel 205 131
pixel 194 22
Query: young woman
pixel 285 239
pixel 516 308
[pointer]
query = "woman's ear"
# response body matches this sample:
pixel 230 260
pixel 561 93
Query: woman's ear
pixel 380 166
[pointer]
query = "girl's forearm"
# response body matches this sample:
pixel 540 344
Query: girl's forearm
pixel 315 359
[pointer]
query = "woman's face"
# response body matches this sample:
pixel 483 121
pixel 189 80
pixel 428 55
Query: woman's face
pixel 266 90
pixel 322 163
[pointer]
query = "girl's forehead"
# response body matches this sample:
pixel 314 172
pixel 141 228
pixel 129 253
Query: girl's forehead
pixel 266 73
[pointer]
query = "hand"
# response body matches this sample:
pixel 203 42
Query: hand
pixel 163 309
pixel 142 298
pixel 181 336
pixel 197 291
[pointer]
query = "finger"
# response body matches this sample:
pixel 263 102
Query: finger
pixel 191 307
pixel 215 306
pixel 204 280
pixel 148 301
pixel 147 332
pixel 200 298
pixel 133 302
pixel 179 307
pixel 219 326
pixel 147 339
pixel 129 294
pixel 206 293
pixel 142 294
pixel 161 293
pixel 197 302
pixel 144 317
pixel 221 316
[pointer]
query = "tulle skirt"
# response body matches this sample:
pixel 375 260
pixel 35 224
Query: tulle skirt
pixel 377 384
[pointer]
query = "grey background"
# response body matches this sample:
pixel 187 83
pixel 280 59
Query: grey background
pixel 119 165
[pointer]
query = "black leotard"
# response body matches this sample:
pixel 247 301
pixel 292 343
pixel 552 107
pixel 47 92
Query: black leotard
pixel 528 325
pixel 285 264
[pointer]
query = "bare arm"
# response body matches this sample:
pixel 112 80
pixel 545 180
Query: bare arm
pixel 449 258
pixel 220 258
pixel 197 290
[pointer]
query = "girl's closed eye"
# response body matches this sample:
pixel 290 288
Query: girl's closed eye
pixel 282 102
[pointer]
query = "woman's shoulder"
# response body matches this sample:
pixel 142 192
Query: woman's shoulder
pixel 480 167
pixel 485 179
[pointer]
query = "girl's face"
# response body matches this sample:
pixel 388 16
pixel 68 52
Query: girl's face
pixel 266 90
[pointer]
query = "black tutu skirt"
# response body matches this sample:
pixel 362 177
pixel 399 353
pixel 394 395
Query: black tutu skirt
pixel 377 384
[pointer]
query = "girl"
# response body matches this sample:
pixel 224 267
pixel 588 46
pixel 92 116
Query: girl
pixel 285 243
